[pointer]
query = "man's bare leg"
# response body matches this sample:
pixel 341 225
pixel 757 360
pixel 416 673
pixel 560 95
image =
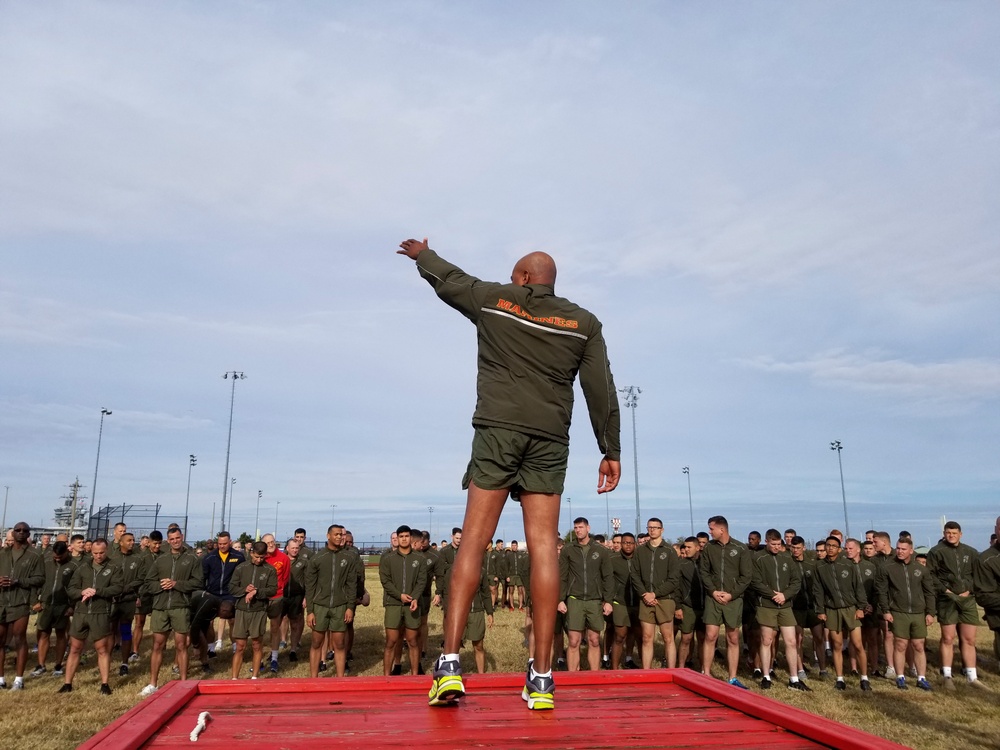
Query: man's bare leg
pixel 541 524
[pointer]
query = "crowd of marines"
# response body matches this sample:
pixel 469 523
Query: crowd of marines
pixel 846 607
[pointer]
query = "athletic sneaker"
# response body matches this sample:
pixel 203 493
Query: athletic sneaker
pixel 123 670
pixel 735 682
pixel 38 671
pixel 211 653
pixel 823 674
pixel 866 685
pixel 757 674
pixel 58 671
pixel 274 666
pixel 561 664
pixel 293 657
pixel 105 689
pixel 175 669
pixel 765 684
pixel 18 684
pixel 801 675
pixel 322 665
pixel 329 654
pixel 147 691
pixel 800 685
pixel 218 645
pixel 890 673
pixel 397 669
pixel 65 689
pixel 976 684
pixel 901 683
pixel 133 658
pixel 447 686
pixel 923 684
pixel 281 646
pixel 949 684
pixel 841 685
pixel 539 692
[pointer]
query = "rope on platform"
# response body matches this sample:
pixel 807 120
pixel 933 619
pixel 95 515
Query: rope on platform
pixel 203 718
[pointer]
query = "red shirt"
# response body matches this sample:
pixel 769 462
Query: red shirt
pixel 283 565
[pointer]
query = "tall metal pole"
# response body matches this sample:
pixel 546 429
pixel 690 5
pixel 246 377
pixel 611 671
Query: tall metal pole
pixel 276 507
pixel 333 514
pixel 256 519
pixel 192 462
pixel 211 529
pixel 430 520
pixel 837 446
pixel 232 500
pixel 687 472
pixel 93 488
pixel 631 401
pixel 229 443
pixel 3 524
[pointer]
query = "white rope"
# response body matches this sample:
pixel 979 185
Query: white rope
pixel 203 718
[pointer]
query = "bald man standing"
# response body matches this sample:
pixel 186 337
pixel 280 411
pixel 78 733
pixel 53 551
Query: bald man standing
pixel 531 345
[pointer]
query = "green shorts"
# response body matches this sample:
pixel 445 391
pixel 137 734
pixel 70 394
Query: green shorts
pixel 662 612
pixel 620 617
pixel 165 620
pixel 515 581
pixel 275 607
pixel 691 621
pixel 806 618
pixel 584 614
pixel 249 624
pixel 907 626
pixel 13 614
pixel 53 617
pixel 730 615
pixel 507 459
pixel 330 619
pixel 401 616
pixel 842 619
pixel 954 610
pixel 95 627
pixel 772 617
pixel 475 628
pixel 145 606
pixel 291 607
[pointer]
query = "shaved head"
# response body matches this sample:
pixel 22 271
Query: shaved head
pixel 535 268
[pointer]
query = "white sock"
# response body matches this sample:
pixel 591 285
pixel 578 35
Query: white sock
pixel 274 655
pixel 946 671
pixel 921 677
pixel 971 674
pixel 535 674
pixel 840 678
pixel 864 678
pixel 793 679
pixel 449 657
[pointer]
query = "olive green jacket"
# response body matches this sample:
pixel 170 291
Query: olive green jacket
pixel 105 578
pixel 332 579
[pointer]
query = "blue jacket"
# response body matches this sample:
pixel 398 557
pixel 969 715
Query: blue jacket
pixel 217 573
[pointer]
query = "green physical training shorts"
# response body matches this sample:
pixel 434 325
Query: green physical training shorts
pixel 86 626
pixel 475 627
pixel 954 610
pixel 691 621
pixel 401 616
pixel 330 619
pixel 660 613
pixel 584 614
pixel 506 459
pixel 806 618
pixel 730 615
pixel 842 619
pixel 165 620
pixel 907 626
pixel 53 617
pixel 291 607
pixel 775 618
pixel 13 614
pixel 620 616
pixel 249 624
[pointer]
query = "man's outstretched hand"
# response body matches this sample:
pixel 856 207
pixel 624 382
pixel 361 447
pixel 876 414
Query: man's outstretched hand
pixel 608 475
pixel 412 248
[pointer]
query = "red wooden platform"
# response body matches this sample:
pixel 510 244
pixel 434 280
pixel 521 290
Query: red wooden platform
pixel 626 709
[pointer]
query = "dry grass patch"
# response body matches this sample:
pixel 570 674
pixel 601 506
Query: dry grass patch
pixel 45 720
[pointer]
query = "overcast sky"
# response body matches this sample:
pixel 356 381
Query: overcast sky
pixel 784 214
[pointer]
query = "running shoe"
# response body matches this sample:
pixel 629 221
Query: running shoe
pixel 799 685
pixel 293 657
pixel 735 682
pixel 539 692
pixel 123 670
pixel 274 666
pixel 211 653
pixel 923 684
pixel 976 684
pixel 147 691
pixel 65 689
pixel 801 675
pixel 218 645
pixel 447 686
pixel 841 685
pixel 757 674
pixel 949 684
pixel 866 686
pixel 901 683
pixel 397 669
pixel 765 684
pixel 58 671
pixel 38 671
pixel 561 664
pixel 322 666
pixel 890 673
pixel 105 689
pixel 18 684
pixel 133 658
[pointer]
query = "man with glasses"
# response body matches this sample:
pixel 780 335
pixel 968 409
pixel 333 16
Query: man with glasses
pixel 656 579
pixel 21 574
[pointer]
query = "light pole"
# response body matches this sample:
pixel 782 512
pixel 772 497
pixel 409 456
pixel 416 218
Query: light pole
pixel 256 519
pixel 232 501
pixel 837 446
pixel 430 520
pixel 569 502
pixel 192 462
pixel 3 524
pixel 631 400
pixel 333 514
pixel 229 442
pixel 93 487
pixel 276 508
pixel 687 472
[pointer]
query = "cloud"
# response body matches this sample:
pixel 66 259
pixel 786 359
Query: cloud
pixel 960 384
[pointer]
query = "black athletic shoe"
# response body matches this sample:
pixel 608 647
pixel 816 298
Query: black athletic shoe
pixel 757 674
pixel 799 685
pixel 420 669
pixel 123 670
pixel 293 657
pixel 329 655
pixel 397 669
pixel 841 685
pixel 105 689
pixel 66 689
pixel 322 666
pixel 866 685
pixel 206 668
pixel 765 684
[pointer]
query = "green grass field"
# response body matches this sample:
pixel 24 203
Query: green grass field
pixel 43 720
